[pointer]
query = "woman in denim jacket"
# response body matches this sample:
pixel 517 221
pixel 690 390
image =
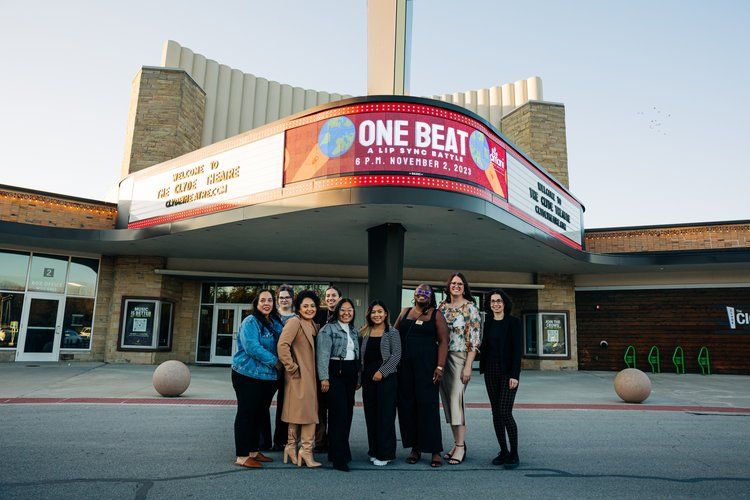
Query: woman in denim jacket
pixel 254 376
pixel 337 355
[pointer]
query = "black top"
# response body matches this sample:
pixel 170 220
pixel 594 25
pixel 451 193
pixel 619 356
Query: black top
pixel 502 342
pixel 372 356
pixel 323 316
pixel 413 332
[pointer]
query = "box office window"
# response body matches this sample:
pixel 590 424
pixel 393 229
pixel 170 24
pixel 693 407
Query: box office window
pixel 82 275
pixel 13 269
pixel 48 273
pixel 11 305
pixel 146 324
pixel 546 334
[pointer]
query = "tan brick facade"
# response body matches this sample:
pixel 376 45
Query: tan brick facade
pixel 165 118
pixel 538 128
pixel 134 276
pixel 558 294
pixel 669 238
pixel 43 209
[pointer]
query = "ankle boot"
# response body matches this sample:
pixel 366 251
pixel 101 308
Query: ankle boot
pixel 306 447
pixel 290 450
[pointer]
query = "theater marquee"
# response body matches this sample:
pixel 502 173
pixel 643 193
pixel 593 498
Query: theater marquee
pixel 407 144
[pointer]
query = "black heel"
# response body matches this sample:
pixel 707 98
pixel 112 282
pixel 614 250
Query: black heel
pixel 455 461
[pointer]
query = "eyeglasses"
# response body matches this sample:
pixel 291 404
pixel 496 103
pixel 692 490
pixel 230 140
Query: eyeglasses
pixel 498 301
pixel 423 293
pixel 346 310
pixel 285 298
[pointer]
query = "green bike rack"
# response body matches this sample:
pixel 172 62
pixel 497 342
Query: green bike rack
pixel 630 357
pixel 678 358
pixel 654 360
pixel 703 361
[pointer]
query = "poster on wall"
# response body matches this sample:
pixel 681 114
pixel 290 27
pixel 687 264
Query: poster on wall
pixel 138 328
pixel 396 142
pixel 738 318
pixel 554 334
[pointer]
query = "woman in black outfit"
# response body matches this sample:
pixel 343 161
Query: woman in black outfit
pixel 381 354
pixel 424 342
pixel 502 346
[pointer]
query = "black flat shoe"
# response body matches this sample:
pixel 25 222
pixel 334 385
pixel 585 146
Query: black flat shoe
pixel 500 458
pixel 511 462
pixel 341 467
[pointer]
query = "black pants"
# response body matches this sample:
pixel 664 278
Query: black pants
pixel 342 376
pixel 419 400
pixel 379 400
pixel 282 428
pixel 501 400
pixel 253 402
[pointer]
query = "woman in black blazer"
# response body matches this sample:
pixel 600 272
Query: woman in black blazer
pixel 502 346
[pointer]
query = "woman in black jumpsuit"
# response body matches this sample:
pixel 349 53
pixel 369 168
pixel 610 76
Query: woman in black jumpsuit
pixel 424 341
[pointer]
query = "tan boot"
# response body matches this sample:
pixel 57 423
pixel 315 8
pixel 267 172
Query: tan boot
pixel 306 447
pixel 290 450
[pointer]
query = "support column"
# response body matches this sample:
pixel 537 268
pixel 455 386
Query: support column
pixel 385 265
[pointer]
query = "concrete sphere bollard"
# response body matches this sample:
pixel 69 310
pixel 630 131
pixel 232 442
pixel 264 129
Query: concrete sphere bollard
pixel 171 378
pixel 632 385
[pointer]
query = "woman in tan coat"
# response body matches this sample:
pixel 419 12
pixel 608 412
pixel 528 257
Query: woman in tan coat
pixel 296 351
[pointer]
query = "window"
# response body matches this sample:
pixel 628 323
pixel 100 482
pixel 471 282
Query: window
pixel 13 269
pixel 48 273
pixel 82 277
pixel 146 324
pixel 77 323
pixel 546 334
pixel 11 305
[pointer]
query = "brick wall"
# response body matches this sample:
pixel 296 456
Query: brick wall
pixel 538 128
pixel 44 209
pixel 669 238
pixel 165 118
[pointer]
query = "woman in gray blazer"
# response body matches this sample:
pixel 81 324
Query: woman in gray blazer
pixel 338 369
pixel 381 354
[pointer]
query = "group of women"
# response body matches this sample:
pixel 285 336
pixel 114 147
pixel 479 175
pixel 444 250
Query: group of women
pixel 316 359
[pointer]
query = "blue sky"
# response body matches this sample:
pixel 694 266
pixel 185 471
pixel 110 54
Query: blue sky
pixel 656 93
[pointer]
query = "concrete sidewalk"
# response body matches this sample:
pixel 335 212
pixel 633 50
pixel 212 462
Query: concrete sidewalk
pixel 100 380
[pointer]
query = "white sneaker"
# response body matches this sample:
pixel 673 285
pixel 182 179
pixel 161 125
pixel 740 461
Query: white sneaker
pixel 372 459
pixel 380 463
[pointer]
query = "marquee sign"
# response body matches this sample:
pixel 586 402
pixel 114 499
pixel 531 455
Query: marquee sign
pixel 368 144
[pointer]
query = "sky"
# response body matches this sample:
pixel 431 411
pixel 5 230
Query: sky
pixel 656 93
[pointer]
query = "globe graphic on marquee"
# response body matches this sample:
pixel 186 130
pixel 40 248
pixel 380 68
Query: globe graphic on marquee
pixel 336 137
pixel 480 149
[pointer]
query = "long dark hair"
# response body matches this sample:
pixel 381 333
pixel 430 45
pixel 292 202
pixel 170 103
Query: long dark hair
pixel 467 288
pixel 368 321
pixel 273 315
pixel 335 316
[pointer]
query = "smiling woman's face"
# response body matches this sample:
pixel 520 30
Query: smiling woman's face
pixel 377 315
pixel 422 295
pixel 346 313
pixel 307 308
pixel 265 303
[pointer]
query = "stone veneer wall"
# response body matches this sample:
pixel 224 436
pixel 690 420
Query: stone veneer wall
pixel 669 238
pixel 44 209
pixel 134 276
pixel 538 128
pixel 165 118
pixel 558 294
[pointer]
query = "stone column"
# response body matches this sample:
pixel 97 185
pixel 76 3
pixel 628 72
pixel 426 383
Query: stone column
pixel 559 294
pixel 385 265
pixel 538 128
pixel 165 118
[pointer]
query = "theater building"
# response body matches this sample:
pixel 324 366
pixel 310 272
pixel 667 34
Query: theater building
pixel 231 182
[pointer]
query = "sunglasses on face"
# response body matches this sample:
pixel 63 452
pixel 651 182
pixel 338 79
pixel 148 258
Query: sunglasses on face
pixel 423 293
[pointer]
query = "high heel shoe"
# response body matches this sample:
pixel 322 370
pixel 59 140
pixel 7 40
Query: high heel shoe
pixel 305 454
pixel 306 457
pixel 455 461
pixel 290 453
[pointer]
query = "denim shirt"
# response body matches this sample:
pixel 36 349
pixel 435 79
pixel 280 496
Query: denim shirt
pixel 331 343
pixel 256 355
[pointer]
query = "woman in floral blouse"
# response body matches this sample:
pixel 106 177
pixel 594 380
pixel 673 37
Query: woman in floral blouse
pixel 464 328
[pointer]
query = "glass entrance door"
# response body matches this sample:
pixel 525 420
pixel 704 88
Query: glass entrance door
pixel 226 323
pixel 41 327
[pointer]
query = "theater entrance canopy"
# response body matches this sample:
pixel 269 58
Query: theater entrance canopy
pixel 436 186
